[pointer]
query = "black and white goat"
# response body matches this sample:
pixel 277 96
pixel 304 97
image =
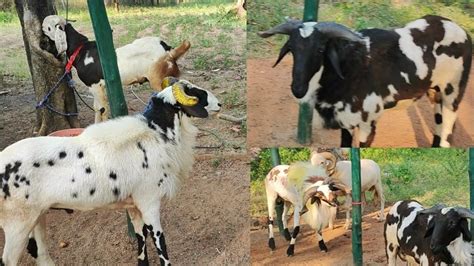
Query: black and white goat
pixel 312 195
pixel 436 236
pixel 145 59
pixel 129 162
pixel 351 77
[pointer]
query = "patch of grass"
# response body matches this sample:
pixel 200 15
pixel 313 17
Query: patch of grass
pixel 428 175
pixel 354 14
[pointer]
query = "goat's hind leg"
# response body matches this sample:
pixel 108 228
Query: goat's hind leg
pixel 296 229
pixel 271 201
pixel 37 246
pixel 346 138
pixel 16 237
pixel 141 233
pixel 284 219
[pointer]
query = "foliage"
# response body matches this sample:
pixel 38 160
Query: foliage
pixel 428 175
pixel 262 164
pixel 264 14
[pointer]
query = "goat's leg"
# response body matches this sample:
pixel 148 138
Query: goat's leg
pixel 16 237
pixel 37 246
pixel 438 124
pixel 141 233
pixel 348 205
pixel 296 229
pixel 449 110
pixel 321 244
pixel 391 252
pixel 271 200
pixel 346 138
pixel 332 217
pixel 101 106
pixel 366 134
pixel 284 219
pixel 379 191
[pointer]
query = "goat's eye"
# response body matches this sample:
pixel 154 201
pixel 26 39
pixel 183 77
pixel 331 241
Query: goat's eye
pixel 49 28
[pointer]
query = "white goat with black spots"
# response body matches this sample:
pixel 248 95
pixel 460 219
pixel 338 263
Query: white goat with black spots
pixel 436 236
pixel 371 179
pixel 296 184
pixel 129 162
pixel 145 59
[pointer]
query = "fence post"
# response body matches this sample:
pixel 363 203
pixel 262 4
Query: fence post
pixel 108 61
pixel 305 115
pixel 356 208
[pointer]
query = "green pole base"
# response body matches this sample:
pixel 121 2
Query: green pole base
pixel 305 123
pixel 356 209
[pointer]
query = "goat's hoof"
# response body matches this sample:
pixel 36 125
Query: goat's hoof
pixel 271 243
pixel 286 234
pixel 322 246
pixel 291 250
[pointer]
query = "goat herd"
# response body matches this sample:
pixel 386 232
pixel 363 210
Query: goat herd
pixel 420 236
pixel 349 77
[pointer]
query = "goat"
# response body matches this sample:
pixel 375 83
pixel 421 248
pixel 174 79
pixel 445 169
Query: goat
pixel 435 236
pixel 342 171
pixel 296 184
pixel 352 77
pixel 145 59
pixel 129 162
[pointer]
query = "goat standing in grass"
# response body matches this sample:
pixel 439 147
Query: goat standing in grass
pixel 129 162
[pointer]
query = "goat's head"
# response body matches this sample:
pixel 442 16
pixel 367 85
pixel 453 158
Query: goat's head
pixel 166 66
pixel 447 224
pixel 310 44
pixel 55 28
pixel 325 192
pixel 325 160
pixel 191 99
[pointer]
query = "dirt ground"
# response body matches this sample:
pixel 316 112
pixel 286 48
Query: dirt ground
pixel 273 114
pixel 307 251
pixel 206 224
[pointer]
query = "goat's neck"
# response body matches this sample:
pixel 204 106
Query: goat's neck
pixel 161 114
pixel 74 39
pixel 461 251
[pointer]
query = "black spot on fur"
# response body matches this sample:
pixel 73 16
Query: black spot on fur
pixel 271 243
pixel 32 248
pixel 116 191
pixel 390 247
pixel 27 182
pixel 295 232
pixel 145 163
pixel 162 262
pixel 80 154
pixel 438 118
pixel 27 196
pixel 165 175
pixel 436 141
pixel 449 89
pixel 16 185
pixel 92 191
pixel 160 182
pixel 36 164
pixel 377 109
pixel 88 170
pixel 23 179
pixel 391 219
pixel 113 175
pixel 73 180
pixel 74 195
pixel 62 155
pixel 17 177
pixel 50 162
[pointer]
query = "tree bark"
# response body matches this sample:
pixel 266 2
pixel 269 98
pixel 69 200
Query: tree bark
pixel 45 68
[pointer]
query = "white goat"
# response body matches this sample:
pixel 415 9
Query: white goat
pixel 342 171
pixel 129 162
pixel 145 59
pixel 296 184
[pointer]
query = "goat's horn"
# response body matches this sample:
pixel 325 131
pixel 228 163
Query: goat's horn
pixel 308 194
pixel 464 212
pixel 333 29
pixel 433 209
pixel 329 156
pixel 284 28
pixel 168 81
pixel 181 97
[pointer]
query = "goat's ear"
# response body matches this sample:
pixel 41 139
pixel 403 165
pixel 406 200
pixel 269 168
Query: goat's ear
pixel 197 111
pixel 315 199
pixel 430 229
pixel 334 59
pixel 466 234
pixel 60 39
pixel 283 51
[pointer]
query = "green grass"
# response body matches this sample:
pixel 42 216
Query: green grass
pixel 428 175
pixel 265 14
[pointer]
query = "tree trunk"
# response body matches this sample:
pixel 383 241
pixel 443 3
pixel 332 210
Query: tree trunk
pixel 45 69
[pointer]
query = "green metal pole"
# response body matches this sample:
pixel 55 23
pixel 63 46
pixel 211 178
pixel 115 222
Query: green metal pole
pixel 108 58
pixel 471 179
pixel 108 61
pixel 279 204
pixel 356 208
pixel 305 115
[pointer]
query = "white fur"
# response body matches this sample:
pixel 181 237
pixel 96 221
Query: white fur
pixel 307 29
pixel 410 49
pixel 461 251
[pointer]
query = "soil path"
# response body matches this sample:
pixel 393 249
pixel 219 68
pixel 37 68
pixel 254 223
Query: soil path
pixel 206 224
pixel 307 251
pixel 273 114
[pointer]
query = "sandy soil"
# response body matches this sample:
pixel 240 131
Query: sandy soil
pixel 307 251
pixel 206 224
pixel 273 114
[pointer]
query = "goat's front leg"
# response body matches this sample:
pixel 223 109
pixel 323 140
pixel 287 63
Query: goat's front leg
pixel 150 209
pixel 322 245
pixel 346 138
pixel 284 219
pixel 141 233
pixel 16 237
pixel 366 134
pixel 296 229
pixel 37 246
pixel 332 218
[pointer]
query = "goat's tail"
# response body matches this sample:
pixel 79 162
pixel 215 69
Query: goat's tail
pixel 179 51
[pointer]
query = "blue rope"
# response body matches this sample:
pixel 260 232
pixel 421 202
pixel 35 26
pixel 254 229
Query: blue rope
pixel 45 101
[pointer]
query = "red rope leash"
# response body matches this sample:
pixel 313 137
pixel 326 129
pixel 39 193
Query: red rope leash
pixel 73 57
